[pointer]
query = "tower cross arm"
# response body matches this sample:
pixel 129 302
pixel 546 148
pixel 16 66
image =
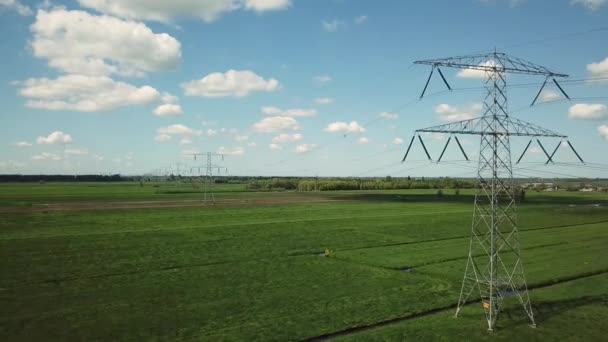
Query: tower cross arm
pixel 482 126
pixel 493 62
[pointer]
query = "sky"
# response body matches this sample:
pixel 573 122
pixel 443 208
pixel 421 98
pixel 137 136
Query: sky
pixel 287 87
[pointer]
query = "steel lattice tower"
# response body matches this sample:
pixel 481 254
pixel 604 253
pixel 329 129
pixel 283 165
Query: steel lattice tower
pixel 494 266
pixel 209 166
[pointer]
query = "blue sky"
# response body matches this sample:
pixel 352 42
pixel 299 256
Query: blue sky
pixel 283 87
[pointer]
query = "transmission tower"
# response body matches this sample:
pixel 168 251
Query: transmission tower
pixel 209 167
pixel 494 266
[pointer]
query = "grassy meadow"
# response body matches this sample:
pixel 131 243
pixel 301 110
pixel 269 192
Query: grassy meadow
pixel 259 271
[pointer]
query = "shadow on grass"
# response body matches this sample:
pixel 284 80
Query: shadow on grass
pixel 469 198
pixel 545 310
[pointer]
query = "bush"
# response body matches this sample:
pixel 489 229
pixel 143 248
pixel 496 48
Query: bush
pixel 440 194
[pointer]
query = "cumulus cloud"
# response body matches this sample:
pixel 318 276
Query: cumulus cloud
pixel 286 138
pixel 235 151
pixel 22 144
pixel 591 5
pixel 77 42
pixel 235 83
pixel 178 129
pixel 168 109
pixel 185 141
pixel 397 141
pixel 295 112
pixel 324 100
pixel 586 111
pixel 17 6
pixel 162 138
pixel 84 93
pixel 54 138
pixel 276 124
pixel 166 11
pixel 363 141
pixel 76 152
pixel 448 113
pixel 344 127
pixel 305 148
pixel 473 73
pixel 388 116
pixel 267 5
pixel 549 95
pixel 598 69
pixel 275 147
pixel 333 25
pixel 322 79
pixel 361 19
pixel 241 138
pixel 603 131
pixel 46 156
pixel 211 132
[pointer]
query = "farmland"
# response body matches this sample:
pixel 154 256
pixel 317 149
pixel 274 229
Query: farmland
pixel 347 265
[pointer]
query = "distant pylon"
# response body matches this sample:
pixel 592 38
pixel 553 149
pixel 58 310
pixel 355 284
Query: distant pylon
pixel 209 167
pixel 494 264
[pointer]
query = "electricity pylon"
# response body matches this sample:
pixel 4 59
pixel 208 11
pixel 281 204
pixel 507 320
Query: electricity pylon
pixel 494 266
pixel 209 167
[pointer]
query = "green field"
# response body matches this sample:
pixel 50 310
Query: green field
pixel 256 270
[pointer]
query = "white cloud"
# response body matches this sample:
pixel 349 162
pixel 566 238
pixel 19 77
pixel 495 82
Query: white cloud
pixel 598 69
pixel 178 129
pixel 84 93
pixel 170 99
pixel 361 19
pixel 549 95
pixel 344 127
pixel 603 131
pixel 286 138
pixel 211 132
pixel 472 73
pixel 295 112
pixel 363 141
pixel 388 116
pixel 17 6
pixel 397 141
pixel 305 148
pixel 252 144
pixel 535 149
pixel 324 100
pixel 276 124
pixel 46 156
pixel 77 42
pixel 235 151
pixel 241 138
pixel 275 147
pixel 585 111
pixel 56 137
pixel 333 25
pixel 322 79
pixel 448 113
pixel 591 5
pixel 267 5
pixel 162 138
pixel 97 157
pixel 185 141
pixel 22 144
pixel 235 83
pixel 76 152
pixel 437 136
pixel 166 11
pixel 168 109
pixel 189 152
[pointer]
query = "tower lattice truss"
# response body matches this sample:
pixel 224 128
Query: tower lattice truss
pixel 494 268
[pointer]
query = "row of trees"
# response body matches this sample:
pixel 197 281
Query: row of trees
pixel 387 183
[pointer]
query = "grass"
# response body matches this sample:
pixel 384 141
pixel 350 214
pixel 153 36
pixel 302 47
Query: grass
pixel 255 272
